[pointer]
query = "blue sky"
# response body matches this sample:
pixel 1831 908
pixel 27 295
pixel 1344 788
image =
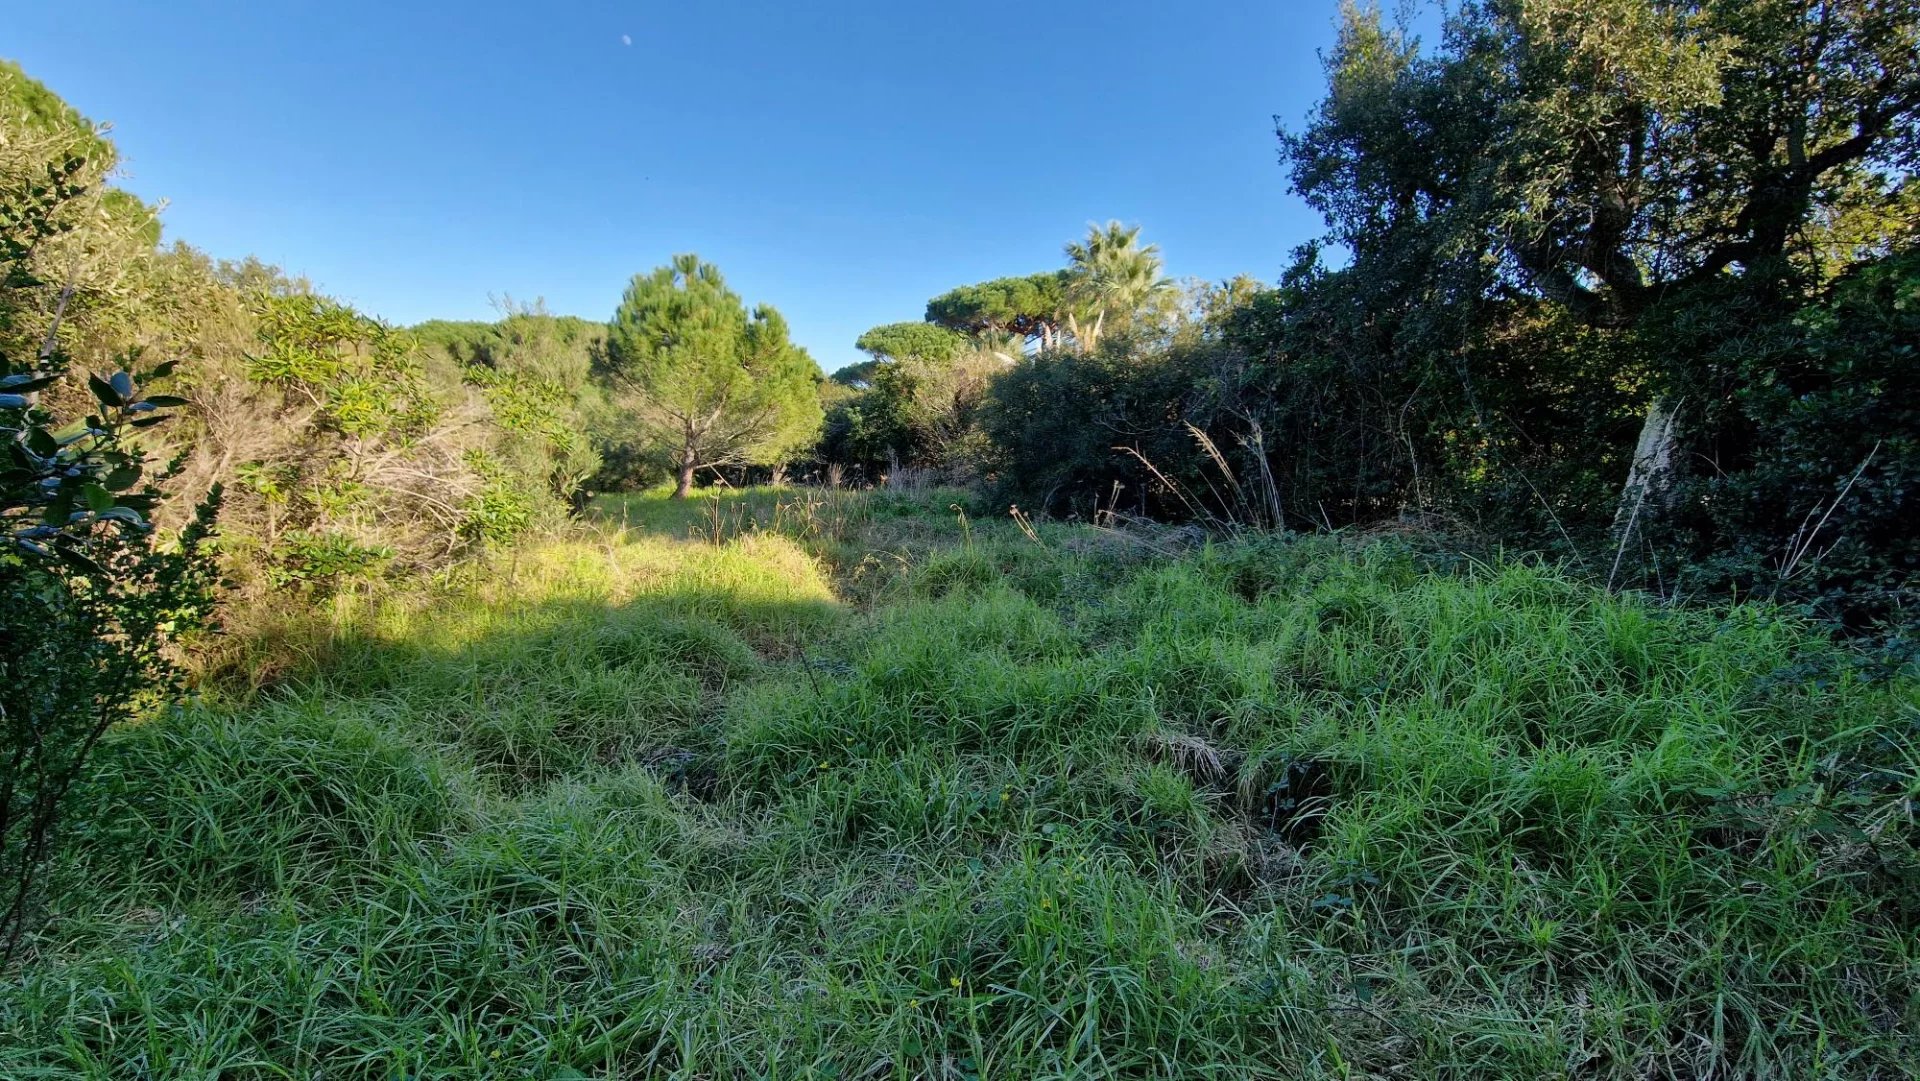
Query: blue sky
pixel 843 161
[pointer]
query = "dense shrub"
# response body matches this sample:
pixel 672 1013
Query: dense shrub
pixel 1815 444
pixel 89 603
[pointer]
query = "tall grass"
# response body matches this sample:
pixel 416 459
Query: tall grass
pixel 845 792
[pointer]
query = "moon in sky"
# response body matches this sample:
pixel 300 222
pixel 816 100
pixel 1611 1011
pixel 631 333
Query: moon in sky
pixel 626 39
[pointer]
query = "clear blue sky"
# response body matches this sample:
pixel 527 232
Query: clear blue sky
pixel 843 161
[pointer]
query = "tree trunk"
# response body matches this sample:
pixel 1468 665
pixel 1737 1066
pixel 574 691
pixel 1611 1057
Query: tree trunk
pixel 1650 478
pixel 688 458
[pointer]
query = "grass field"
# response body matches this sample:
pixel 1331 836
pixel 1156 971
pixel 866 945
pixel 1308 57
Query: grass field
pixel 852 786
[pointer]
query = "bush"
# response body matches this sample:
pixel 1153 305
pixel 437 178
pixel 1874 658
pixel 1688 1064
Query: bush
pixel 1816 444
pixel 88 605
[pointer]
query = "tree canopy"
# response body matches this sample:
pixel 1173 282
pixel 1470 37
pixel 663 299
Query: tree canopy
pixel 30 108
pixel 1029 306
pixel 912 341
pixel 1604 152
pixel 1112 280
pixel 1612 157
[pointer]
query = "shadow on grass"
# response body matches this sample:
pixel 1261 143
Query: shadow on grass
pixel 561 686
pixel 394 735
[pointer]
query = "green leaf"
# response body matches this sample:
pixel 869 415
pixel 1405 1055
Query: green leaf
pixel 104 391
pixel 28 382
pixel 119 480
pixel 79 561
pixel 1791 796
pixel 98 498
pixel 122 384
pixel 167 401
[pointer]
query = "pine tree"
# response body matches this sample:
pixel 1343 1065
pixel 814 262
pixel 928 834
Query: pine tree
pixel 717 384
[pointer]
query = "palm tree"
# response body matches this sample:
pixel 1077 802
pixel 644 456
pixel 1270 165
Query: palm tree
pixel 1112 279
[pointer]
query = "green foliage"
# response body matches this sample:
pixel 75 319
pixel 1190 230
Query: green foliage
pixel 857 376
pixel 1817 449
pixel 79 655
pixel 88 603
pixel 804 783
pixel 533 370
pixel 1113 281
pixel 364 377
pixel 30 108
pixel 542 422
pixel 63 227
pixel 1058 422
pixel 1604 169
pixel 921 413
pixel 64 482
pixel 718 385
pixel 465 341
pixel 381 468
pixel 1644 171
pixel 324 559
pixel 356 394
pixel 502 509
pixel 899 342
pixel 1029 307
pixel 920 399
pixel 32 113
pixel 92 606
pixel 1566 228
pixel 527 340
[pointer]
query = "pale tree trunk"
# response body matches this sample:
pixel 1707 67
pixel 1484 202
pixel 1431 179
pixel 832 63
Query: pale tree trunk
pixel 1650 478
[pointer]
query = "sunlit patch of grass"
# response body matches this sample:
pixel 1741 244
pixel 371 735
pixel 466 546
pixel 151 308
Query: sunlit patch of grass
pixel 642 803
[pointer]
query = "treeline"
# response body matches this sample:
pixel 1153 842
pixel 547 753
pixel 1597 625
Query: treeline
pixel 1647 301
pixel 192 443
pixel 1643 300
pixel 339 446
pixel 343 448
pixel 186 438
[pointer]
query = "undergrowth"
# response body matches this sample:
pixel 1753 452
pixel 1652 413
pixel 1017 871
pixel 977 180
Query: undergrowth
pixel 804 785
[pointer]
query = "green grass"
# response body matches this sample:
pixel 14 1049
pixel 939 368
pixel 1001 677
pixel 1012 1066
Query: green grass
pixel 845 786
